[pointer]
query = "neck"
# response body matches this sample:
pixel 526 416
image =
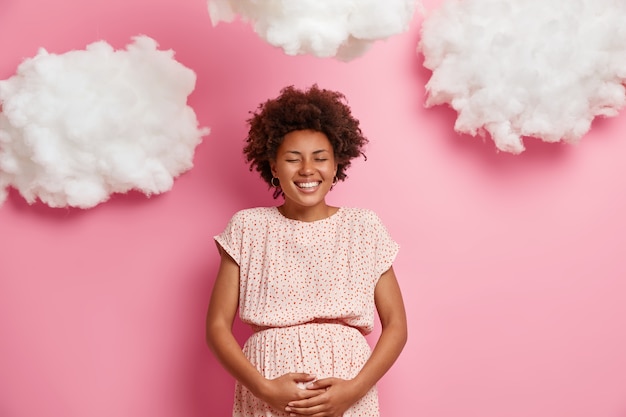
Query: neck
pixel 307 214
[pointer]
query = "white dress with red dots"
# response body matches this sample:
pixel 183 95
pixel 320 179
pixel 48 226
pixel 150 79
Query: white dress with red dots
pixel 307 289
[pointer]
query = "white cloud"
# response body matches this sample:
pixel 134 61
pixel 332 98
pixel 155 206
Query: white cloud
pixel 344 29
pixel 526 68
pixel 79 126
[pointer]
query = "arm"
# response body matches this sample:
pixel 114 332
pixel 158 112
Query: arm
pixel 220 317
pixel 341 394
pixel 390 307
pixel 220 338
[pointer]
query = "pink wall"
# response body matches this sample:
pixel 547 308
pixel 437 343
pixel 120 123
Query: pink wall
pixel 512 267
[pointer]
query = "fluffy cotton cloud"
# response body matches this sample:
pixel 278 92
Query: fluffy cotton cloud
pixel 344 29
pixel 526 68
pixel 79 126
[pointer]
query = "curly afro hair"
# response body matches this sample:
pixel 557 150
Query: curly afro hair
pixel 316 109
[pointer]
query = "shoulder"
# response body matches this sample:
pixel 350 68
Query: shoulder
pixel 253 213
pixel 367 227
pixel 361 219
pixel 360 215
pixel 250 216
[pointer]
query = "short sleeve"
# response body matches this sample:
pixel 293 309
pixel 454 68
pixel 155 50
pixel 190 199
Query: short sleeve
pixel 386 248
pixel 232 237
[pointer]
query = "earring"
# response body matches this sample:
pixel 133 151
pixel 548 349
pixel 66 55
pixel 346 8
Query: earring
pixel 275 185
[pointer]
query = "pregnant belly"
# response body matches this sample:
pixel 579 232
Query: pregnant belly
pixel 321 349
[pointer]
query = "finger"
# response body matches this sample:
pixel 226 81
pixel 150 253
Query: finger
pixel 306 395
pixel 307 403
pixel 321 383
pixel 302 377
pixel 304 411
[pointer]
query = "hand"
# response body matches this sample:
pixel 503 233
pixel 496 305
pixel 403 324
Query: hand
pixel 278 392
pixel 338 395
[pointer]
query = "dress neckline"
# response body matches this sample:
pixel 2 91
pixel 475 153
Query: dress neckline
pixel 325 219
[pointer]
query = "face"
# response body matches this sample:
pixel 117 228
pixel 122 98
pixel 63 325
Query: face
pixel 305 165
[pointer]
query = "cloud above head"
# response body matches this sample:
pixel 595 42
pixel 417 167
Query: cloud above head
pixel 342 29
pixel 526 68
pixel 80 126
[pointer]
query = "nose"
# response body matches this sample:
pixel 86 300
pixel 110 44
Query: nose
pixel 306 168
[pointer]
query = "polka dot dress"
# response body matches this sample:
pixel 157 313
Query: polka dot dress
pixel 307 289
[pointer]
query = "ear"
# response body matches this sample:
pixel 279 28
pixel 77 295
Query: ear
pixel 273 166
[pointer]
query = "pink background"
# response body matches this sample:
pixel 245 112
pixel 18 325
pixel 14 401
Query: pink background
pixel 512 267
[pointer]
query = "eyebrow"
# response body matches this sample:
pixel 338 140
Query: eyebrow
pixel 314 152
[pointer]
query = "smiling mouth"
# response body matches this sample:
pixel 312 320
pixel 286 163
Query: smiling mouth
pixel 308 185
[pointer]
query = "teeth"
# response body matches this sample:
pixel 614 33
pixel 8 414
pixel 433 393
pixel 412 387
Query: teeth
pixel 308 184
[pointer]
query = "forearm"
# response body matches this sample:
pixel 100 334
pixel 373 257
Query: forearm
pixel 227 350
pixel 385 353
pixel 219 323
pixel 393 336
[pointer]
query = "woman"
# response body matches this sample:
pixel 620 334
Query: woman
pixel 308 277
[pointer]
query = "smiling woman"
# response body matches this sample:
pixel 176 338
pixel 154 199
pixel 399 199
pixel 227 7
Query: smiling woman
pixel 307 277
pixel 305 168
pixel 319 110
